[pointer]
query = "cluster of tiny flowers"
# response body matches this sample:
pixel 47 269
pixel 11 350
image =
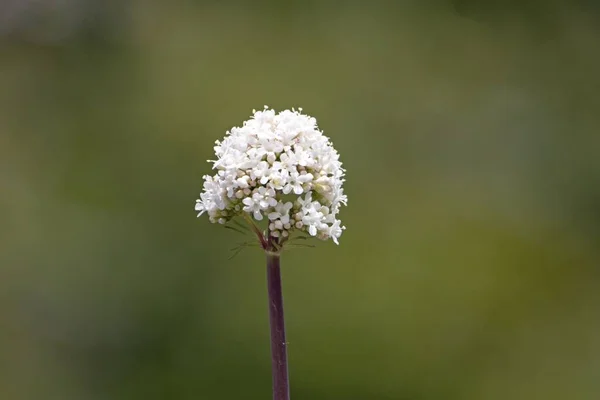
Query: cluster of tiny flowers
pixel 281 167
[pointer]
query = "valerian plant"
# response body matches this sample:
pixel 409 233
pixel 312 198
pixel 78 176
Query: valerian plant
pixel 278 168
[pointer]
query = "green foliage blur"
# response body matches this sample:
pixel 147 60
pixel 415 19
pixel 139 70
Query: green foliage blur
pixel 469 269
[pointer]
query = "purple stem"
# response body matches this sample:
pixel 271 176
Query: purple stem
pixel 281 386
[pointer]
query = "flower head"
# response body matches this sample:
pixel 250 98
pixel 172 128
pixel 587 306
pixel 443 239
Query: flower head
pixel 279 166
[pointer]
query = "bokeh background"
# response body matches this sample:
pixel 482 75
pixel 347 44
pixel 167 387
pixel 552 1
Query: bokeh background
pixel 470 134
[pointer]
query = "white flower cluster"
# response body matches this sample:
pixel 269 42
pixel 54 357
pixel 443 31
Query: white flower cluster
pixel 278 166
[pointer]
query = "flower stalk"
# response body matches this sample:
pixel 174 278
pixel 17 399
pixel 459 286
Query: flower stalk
pixel 281 169
pixel 279 365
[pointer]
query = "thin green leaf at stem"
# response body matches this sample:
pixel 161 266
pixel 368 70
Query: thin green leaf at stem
pixel 257 231
pixel 235 229
pixel 240 225
pixel 241 246
pixel 239 249
pixel 299 245
pixel 299 238
pixel 245 244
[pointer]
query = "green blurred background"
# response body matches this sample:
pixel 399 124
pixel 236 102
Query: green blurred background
pixel 470 134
